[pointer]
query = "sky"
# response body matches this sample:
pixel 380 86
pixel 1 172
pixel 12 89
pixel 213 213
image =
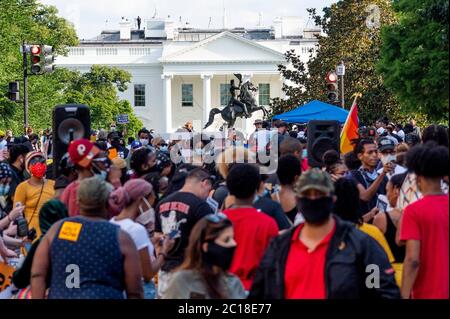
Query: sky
pixel 90 17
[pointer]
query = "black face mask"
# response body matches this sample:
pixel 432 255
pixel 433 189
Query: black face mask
pixel 315 211
pixel 219 256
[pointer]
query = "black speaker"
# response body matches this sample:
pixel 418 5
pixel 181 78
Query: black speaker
pixel 322 136
pixel 70 122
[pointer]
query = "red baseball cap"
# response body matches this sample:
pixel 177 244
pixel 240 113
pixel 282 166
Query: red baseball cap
pixel 82 152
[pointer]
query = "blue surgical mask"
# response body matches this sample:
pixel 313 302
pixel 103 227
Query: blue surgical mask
pixel 2 189
pixel 164 148
pixel 305 153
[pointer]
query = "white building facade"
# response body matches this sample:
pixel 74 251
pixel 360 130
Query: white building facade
pixel 179 74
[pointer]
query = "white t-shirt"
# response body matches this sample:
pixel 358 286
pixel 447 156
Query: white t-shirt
pixel 138 233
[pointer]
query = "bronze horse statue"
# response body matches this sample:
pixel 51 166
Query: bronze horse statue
pixel 240 105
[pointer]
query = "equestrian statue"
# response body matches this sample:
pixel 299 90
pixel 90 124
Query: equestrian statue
pixel 242 103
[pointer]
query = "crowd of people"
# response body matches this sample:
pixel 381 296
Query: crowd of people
pixel 119 218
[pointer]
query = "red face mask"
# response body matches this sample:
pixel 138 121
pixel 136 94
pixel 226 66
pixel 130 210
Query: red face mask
pixel 38 170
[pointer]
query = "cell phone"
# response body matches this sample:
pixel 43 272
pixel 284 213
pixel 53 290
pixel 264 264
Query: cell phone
pixel 174 234
pixel 381 205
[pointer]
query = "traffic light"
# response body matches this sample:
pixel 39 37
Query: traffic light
pixel 41 58
pixel 332 87
pixel 35 59
pixel 47 51
pixel 13 92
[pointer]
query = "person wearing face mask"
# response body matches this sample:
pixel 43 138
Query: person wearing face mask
pixel 82 153
pixel 136 211
pixel 323 258
pixel 36 191
pixel 6 217
pixel 145 137
pixel 204 273
pixel 177 214
pixel 387 154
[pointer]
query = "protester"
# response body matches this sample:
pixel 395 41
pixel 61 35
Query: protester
pixel 204 272
pixel 142 162
pixel 35 191
pixel 51 212
pixel 176 215
pixel 82 154
pixel 437 133
pixel 268 206
pixel 253 229
pixel 306 262
pixel 288 172
pixel 145 137
pixel 333 165
pixel 114 273
pixel 16 162
pixel 346 207
pixel 371 183
pixel 424 226
pixel 387 154
pixel 130 200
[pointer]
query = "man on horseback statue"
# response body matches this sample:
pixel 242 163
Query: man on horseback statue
pixel 235 92
pixel 241 103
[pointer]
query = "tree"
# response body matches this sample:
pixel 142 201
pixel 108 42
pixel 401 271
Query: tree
pixel 414 57
pixel 32 22
pixel 353 36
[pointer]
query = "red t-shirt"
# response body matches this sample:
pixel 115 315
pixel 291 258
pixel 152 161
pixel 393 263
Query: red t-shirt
pixel 69 197
pixel 252 231
pixel 304 276
pixel 426 220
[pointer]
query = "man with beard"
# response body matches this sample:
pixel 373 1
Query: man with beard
pixel 324 258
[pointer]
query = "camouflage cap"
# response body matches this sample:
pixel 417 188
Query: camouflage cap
pixel 314 178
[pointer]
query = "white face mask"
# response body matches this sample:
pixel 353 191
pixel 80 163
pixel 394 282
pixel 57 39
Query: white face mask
pixel 147 216
pixel 388 158
pixel 144 141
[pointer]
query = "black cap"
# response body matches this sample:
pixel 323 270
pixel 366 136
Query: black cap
pixel 385 143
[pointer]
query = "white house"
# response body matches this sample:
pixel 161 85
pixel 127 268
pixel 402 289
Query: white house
pixel 180 73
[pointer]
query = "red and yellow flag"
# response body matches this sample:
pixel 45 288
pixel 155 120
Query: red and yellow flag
pixel 350 129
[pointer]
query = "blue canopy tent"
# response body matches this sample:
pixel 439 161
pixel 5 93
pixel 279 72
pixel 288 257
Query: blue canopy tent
pixel 314 110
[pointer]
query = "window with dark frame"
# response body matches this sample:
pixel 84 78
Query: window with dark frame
pixel 187 95
pixel 139 95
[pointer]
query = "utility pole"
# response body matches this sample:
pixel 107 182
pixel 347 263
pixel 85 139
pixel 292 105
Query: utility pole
pixel 340 70
pixel 25 86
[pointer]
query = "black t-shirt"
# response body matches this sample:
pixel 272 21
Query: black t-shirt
pixel 274 210
pixel 359 178
pixel 180 210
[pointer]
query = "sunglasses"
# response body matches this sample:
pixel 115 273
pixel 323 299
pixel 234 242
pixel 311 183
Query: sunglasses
pixel 216 218
pixel 36 160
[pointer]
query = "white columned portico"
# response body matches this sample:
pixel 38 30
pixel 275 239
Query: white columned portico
pixel 246 123
pixel 167 98
pixel 206 96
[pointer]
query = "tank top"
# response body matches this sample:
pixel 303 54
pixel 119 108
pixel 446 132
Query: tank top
pixel 88 250
pixel 391 230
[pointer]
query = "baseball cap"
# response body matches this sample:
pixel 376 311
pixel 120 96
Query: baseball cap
pixel 314 178
pixel 82 152
pixel 136 144
pixel 385 143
